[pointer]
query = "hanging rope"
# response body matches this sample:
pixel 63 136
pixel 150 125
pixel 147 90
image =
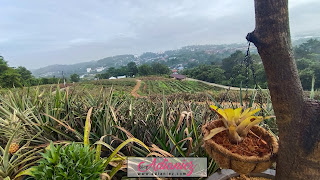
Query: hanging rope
pixel 248 62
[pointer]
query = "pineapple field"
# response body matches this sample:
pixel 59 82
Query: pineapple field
pixel 150 87
pixel 38 123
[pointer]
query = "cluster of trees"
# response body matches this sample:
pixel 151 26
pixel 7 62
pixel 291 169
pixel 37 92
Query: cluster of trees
pixel 14 77
pixel 75 77
pixel 231 70
pixel 18 77
pixel 133 70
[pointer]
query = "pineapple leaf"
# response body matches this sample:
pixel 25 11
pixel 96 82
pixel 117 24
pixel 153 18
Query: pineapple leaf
pixel 213 132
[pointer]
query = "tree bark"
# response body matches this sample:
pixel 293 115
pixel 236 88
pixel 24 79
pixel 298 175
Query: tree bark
pixel 298 119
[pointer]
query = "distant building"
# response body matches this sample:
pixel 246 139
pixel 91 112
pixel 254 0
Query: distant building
pixel 180 68
pixel 112 77
pixel 99 69
pixel 88 70
pixel 121 77
pixel 174 71
pixel 178 76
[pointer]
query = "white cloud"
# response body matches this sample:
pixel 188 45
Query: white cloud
pixel 73 30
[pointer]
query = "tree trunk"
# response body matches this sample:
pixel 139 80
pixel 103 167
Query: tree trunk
pixel 298 119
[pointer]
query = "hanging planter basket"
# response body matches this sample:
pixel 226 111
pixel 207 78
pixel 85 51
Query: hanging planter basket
pixel 240 163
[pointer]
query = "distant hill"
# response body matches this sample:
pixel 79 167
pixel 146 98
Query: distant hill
pixel 185 57
pixel 83 68
pixel 180 58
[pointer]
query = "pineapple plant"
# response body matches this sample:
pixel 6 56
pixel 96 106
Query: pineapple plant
pixel 236 122
pixel 14 160
pixel 235 141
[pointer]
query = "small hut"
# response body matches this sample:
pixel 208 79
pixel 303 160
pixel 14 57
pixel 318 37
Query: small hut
pixel 178 76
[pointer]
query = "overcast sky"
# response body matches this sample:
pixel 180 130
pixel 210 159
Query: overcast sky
pixel 37 33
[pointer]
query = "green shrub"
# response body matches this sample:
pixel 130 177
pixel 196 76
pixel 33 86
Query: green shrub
pixel 74 161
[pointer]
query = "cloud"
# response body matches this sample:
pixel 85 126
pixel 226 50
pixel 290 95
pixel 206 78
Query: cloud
pixel 36 33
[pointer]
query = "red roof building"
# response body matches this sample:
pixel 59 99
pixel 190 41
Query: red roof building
pixel 178 76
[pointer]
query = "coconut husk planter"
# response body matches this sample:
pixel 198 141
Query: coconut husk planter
pixel 242 164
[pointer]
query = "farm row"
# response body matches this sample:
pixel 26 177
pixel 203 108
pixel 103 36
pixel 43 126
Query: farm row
pixel 150 87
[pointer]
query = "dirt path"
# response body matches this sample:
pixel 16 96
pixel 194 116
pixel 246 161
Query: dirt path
pixel 62 87
pixel 134 91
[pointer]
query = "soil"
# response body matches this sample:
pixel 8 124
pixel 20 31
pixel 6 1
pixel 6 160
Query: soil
pixel 252 145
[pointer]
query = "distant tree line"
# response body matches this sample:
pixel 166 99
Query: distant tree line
pixel 227 71
pixel 231 71
pixel 308 62
pixel 18 77
pixel 14 77
pixel 133 70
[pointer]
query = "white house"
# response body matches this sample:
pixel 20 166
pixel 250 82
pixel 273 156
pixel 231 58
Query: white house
pixel 121 77
pixel 99 69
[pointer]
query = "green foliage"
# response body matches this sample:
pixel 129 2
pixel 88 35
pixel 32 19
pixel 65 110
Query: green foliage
pixel 105 75
pixel 122 71
pixel 305 50
pixel 75 77
pixel 26 76
pixel 306 77
pixel 145 70
pixel 73 162
pixel 229 63
pixel 3 64
pixel 51 80
pixel 308 63
pixel 10 78
pixel 159 69
pixel 15 77
pixel 132 69
pixel 229 71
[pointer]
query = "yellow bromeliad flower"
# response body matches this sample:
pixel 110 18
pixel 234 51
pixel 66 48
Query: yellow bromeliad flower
pixel 237 123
